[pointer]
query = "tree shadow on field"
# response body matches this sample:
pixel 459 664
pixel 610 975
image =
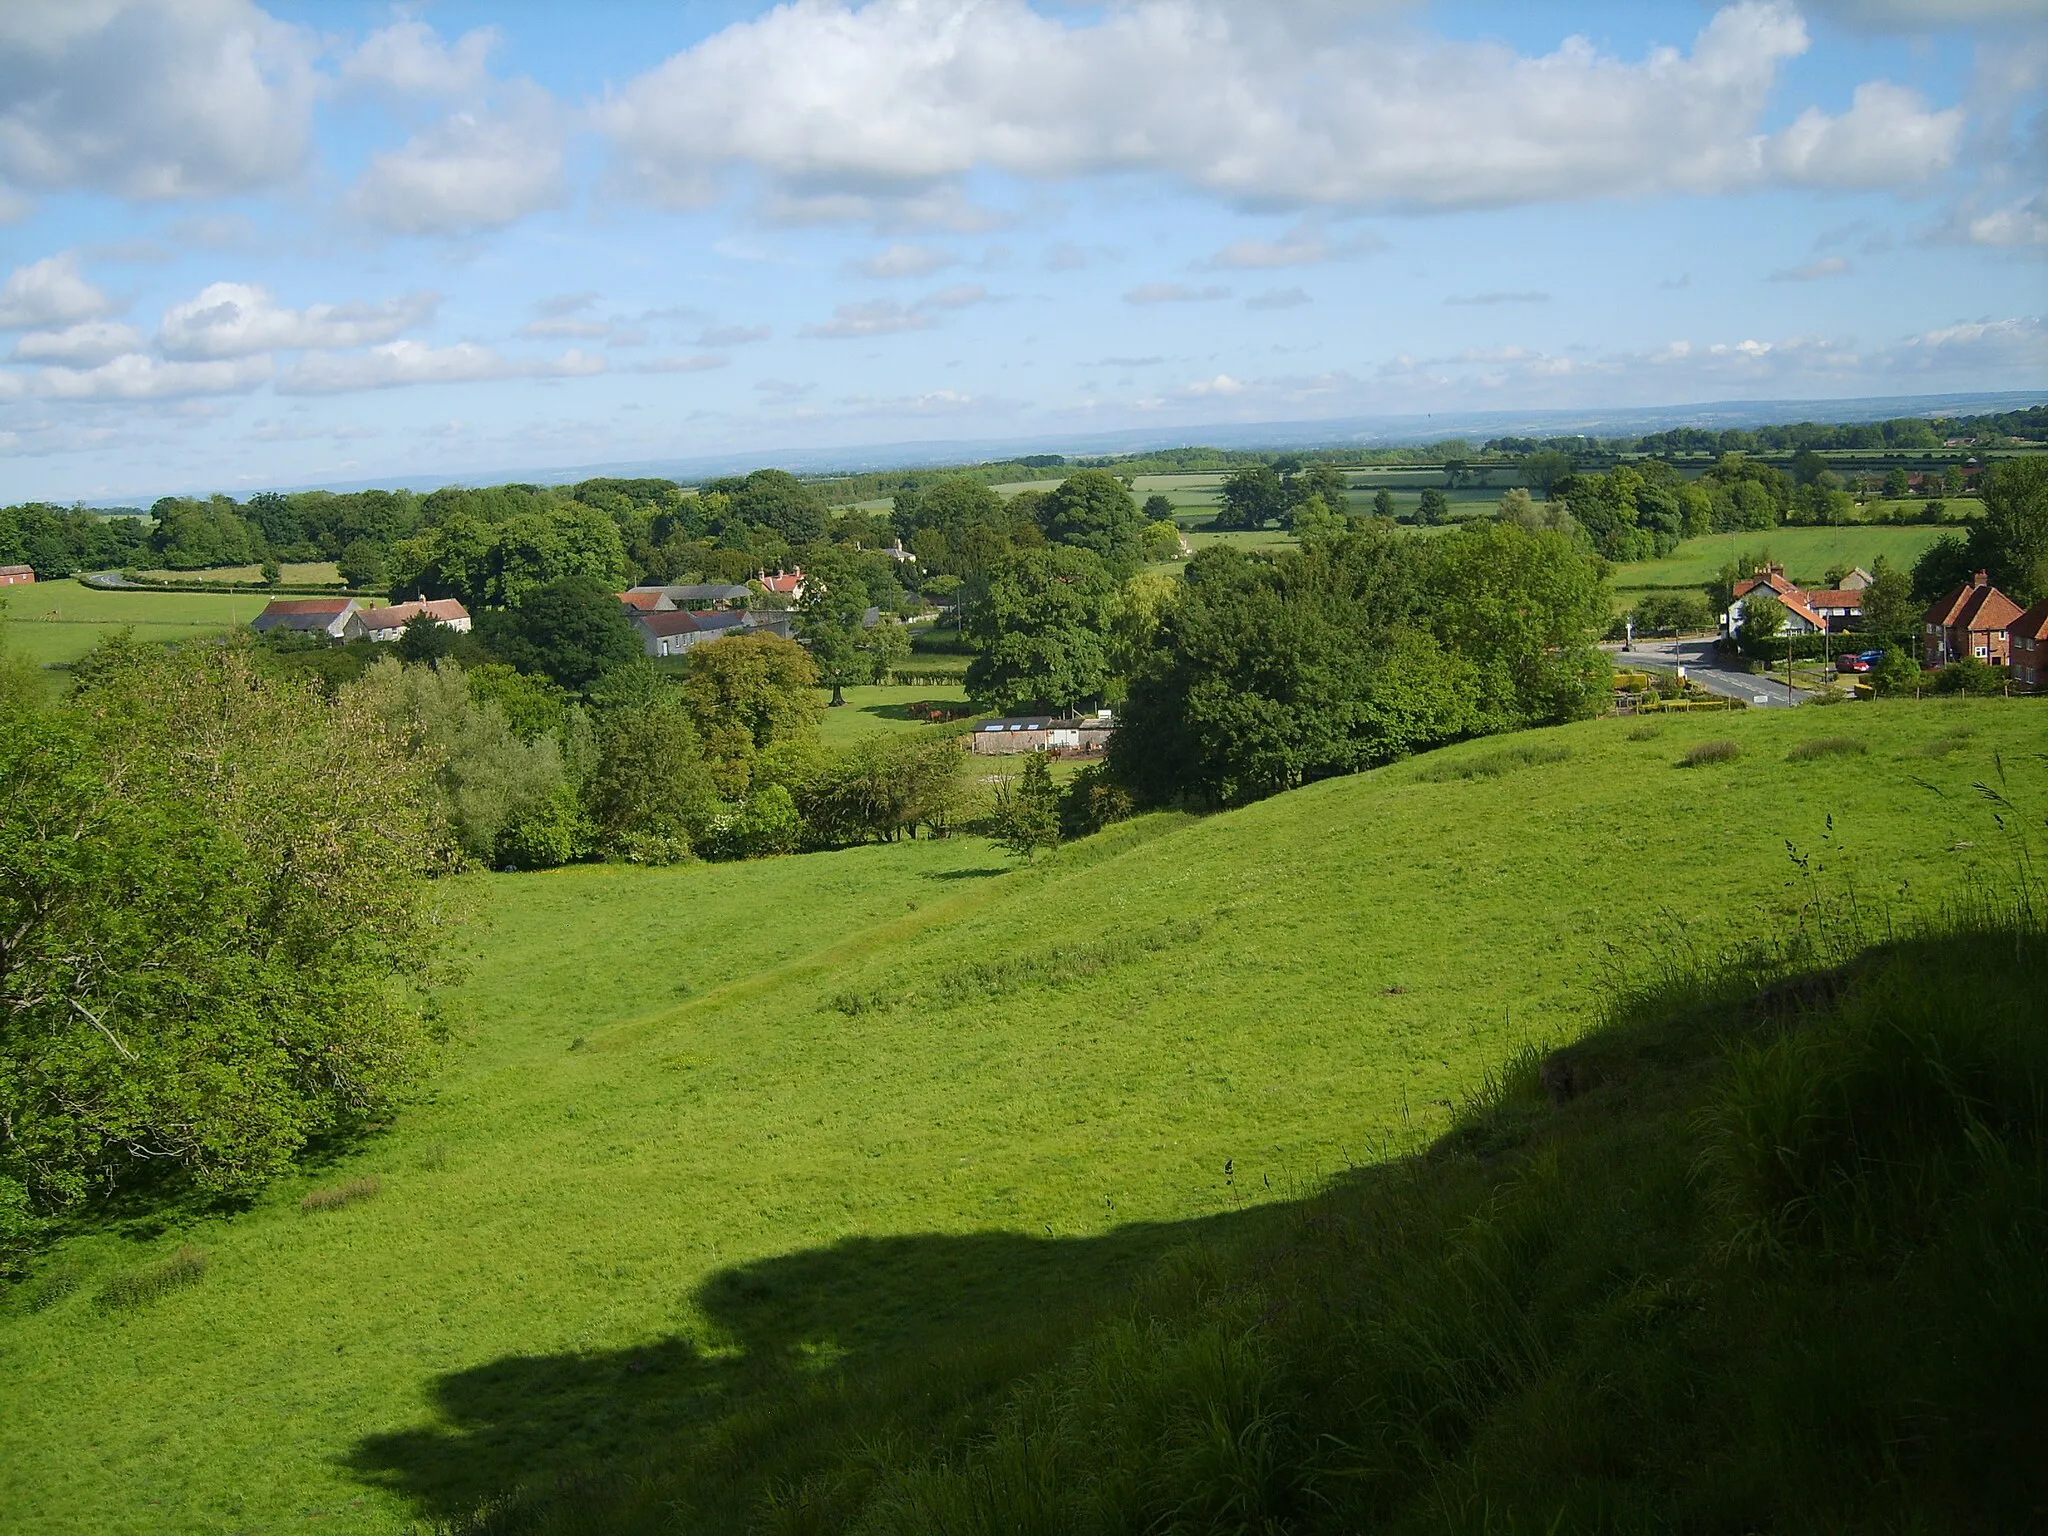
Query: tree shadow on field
pixel 919 1335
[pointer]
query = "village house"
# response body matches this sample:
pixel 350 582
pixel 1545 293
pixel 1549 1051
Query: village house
pixel 2027 636
pixel 1806 613
pixel 335 617
pixel 385 624
pixel 668 631
pixel 1042 733
pixel 781 584
pixel 17 575
pixel 1971 620
pixel 686 595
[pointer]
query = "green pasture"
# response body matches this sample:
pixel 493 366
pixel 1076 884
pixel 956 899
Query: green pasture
pixel 882 710
pixel 1806 553
pixel 53 623
pixel 295 573
pixel 706 1138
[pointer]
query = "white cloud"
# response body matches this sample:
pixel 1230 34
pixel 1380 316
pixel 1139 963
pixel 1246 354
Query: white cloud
pixel 408 58
pixel 732 335
pixel 1223 384
pixel 1306 244
pixel 960 296
pixel 137 376
pixel 1885 138
pixel 566 327
pixel 239 319
pixel 906 261
pixel 2017 225
pixel 843 109
pixel 398 363
pixel 83 345
pixel 1278 298
pixel 1827 266
pixel 476 169
pixel 1174 293
pixel 701 363
pixel 49 292
pixel 152 98
pixel 878 317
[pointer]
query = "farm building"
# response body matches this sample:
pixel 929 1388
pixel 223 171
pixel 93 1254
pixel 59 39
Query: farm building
pixel 2028 637
pixel 1806 613
pixel 16 575
pixel 1042 733
pixel 686 595
pixel 335 617
pixel 668 632
pixel 1971 620
pixel 383 624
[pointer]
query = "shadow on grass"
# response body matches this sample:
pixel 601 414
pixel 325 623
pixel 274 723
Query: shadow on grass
pixel 969 874
pixel 920 711
pixel 918 1335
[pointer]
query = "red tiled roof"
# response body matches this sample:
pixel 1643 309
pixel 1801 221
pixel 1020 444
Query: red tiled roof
pixel 1775 580
pixel 645 601
pixel 667 622
pixel 1841 599
pixel 286 605
pixel 441 610
pixel 2033 624
pixel 1793 604
pixel 1975 609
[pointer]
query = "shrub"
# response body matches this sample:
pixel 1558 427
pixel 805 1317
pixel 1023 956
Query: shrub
pixel 1647 731
pixel 1968 676
pixel 1826 746
pixel 1707 752
pixel 53 1285
pixel 1092 800
pixel 140 1286
pixel 363 1188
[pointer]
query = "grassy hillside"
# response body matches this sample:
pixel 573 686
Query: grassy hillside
pixel 713 1142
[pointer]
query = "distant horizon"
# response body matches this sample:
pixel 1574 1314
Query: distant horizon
pixel 1387 431
pixel 254 243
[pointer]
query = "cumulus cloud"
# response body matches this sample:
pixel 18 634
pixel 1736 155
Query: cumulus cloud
pixel 886 317
pixel 152 98
pixel 1885 138
pixel 906 261
pixel 399 363
pixel 2018 225
pixel 137 376
pixel 476 169
pixel 1173 293
pixel 240 319
pixel 408 58
pixel 47 293
pixel 83 345
pixel 903 98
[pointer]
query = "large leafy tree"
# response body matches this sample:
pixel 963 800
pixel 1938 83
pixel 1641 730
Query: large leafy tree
pixel 777 500
pixel 1252 497
pixel 1889 612
pixel 1091 509
pixel 1039 625
pixel 212 901
pixel 2012 541
pixel 745 694
pixel 571 631
pixel 831 619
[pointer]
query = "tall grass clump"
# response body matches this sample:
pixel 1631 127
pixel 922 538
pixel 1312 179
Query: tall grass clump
pixel 1493 765
pixel 1705 753
pixel 139 1287
pixel 365 1187
pixel 1826 746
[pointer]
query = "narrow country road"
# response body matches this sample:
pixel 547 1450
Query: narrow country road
pixel 1707 669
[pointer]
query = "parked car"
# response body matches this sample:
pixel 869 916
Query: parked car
pixel 1862 661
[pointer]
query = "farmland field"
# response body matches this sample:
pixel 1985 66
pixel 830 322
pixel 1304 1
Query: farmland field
pixel 709 1134
pixel 53 623
pixel 1806 553
pixel 308 573
pixel 882 710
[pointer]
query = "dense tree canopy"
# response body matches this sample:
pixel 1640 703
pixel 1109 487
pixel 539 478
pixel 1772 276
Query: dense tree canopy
pixel 1092 509
pixel 1039 626
pixel 571 631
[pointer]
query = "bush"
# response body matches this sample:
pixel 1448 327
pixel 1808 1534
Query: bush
pixel 1896 673
pixel 1968 676
pixel 1708 752
pixel 1492 765
pixel 138 1287
pixel 1672 613
pixel 1092 801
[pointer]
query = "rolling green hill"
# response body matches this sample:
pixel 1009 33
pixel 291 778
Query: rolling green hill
pixel 716 1141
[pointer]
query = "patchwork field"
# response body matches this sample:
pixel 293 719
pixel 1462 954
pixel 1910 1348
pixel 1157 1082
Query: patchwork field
pixel 1806 553
pixel 707 1136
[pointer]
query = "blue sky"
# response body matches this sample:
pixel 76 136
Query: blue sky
pixel 248 246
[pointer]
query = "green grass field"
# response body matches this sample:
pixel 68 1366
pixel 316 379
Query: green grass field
pixel 308 573
pixel 881 711
pixel 53 623
pixel 1806 553
pixel 709 1135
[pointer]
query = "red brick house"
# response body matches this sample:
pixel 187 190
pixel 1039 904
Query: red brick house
pixel 16 575
pixel 1806 613
pixel 2028 637
pixel 1972 620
